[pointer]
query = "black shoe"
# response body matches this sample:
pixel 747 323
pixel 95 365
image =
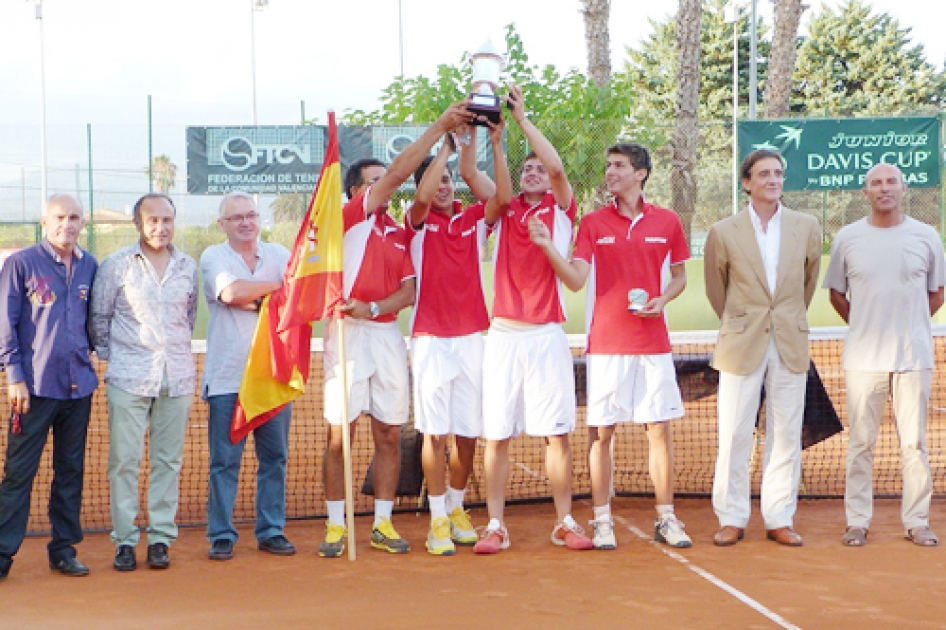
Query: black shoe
pixel 158 556
pixel 221 550
pixel 69 566
pixel 278 546
pixel 5 564
pixel 125 558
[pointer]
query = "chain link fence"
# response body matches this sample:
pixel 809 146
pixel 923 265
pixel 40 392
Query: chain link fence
pixel 106 168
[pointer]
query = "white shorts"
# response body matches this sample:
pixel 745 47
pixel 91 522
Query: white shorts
pixel 528 381
pixel 448 385
pixel 632 388
pixel 377 372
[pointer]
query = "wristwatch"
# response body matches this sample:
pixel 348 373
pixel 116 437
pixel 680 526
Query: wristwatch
pixel 374 309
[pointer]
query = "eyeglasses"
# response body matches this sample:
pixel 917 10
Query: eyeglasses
pixel 240 218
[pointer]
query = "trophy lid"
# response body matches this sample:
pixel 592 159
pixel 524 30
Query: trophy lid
pixel 488 50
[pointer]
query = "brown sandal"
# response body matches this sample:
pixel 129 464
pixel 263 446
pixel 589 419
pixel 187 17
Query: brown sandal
pixel 855 537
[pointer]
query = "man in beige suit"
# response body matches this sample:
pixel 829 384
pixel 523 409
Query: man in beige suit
pixel 761 269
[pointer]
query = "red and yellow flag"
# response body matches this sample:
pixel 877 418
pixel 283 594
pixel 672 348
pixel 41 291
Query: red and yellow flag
pixel 278 364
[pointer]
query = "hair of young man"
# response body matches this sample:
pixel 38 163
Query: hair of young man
pixel 424 165
pixel 236 194
pixel 136 211
pixel 637 155
pixel 354 176
pixel 745 169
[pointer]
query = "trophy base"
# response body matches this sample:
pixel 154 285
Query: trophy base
pixel 487 106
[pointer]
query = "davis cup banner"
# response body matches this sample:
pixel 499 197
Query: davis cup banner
pixel 266 160
pixel 835 154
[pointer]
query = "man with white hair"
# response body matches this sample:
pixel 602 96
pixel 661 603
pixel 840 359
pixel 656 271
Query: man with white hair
pixel 237 274
pixel 44 350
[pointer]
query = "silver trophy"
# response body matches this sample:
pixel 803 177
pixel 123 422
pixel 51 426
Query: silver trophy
pixel 487 63
pixel 637 300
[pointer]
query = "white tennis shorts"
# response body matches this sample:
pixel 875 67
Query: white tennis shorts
pixel 448 385
pixel 528 381
pixel 632 388
pixel 377 372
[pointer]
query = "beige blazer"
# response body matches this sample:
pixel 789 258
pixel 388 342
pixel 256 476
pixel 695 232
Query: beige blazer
pixel 738 291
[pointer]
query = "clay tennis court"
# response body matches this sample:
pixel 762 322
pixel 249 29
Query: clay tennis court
pixel 757 584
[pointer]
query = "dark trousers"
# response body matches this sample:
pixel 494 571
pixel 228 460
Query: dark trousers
pixel 69 420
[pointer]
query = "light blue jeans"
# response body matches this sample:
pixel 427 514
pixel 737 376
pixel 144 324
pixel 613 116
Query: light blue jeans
pixel 272 451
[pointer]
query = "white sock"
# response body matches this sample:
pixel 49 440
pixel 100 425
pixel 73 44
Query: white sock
pixel 603 513
pixel 382 510
pixel 569 522
pixel 663 510
pixel 494 524
pixel 454 499
pixel 336 512
pixel 438 507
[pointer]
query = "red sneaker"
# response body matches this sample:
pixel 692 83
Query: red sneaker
pixel 492 541
pixel 572 537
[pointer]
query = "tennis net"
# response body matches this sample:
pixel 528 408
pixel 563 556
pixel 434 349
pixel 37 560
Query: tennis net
pixel 694 440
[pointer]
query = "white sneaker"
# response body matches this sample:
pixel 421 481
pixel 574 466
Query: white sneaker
pixel 603 534
pixel 669 530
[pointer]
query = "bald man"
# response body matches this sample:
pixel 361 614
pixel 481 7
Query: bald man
pixel 44 350
pixel 886 281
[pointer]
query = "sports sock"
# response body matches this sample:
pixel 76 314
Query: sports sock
pixel 336 512
pixel 437 506
pixel 494 523
pixel 382 510
pixel 663 510
pixel 602 513
pixel 569 522
pixel 454 499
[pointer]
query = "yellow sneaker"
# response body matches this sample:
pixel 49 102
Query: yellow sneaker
pixel 438 538
pixel 461 527
pixel 386 538
pixel 334 544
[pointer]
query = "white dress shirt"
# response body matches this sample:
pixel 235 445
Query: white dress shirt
pixel 768 240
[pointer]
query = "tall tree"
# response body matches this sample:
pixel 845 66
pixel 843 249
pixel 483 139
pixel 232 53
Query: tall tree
pixel 163 173
pixel 778 87
pixel 686 131
pixel 858 63
pixel 598 40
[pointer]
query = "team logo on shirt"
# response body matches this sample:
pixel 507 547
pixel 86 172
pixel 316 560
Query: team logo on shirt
pixel 433 228
pixel 40 293
pixel 466 233
pixel 606 240
pixel 400 246
pixel 655 239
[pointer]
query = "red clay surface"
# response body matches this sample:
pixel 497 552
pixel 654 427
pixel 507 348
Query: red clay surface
pixel 888 584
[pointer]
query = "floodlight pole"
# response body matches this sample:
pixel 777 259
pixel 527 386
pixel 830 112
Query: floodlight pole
pixel 735 106
pixel 753 62
pixel 42 79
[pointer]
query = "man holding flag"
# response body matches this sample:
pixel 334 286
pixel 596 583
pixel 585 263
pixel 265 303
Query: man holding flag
pixel 237 275
pixel 379 282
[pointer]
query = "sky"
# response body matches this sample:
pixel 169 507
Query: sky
pixel 104 57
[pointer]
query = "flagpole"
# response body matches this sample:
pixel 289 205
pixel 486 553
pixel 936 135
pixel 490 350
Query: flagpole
pixel 346 441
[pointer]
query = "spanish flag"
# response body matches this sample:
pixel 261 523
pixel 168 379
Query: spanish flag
pixel 278 364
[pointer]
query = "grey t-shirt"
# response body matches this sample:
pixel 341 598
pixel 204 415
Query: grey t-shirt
pixel 887 274
pixel 230 330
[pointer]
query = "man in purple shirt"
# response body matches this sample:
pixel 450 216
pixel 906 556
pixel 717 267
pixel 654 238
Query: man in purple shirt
pixel 44 350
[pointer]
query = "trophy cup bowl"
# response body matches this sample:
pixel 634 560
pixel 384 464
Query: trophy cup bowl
pixel 487 63
pixel 637 300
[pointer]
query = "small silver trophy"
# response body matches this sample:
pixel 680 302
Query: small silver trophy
pixel 637 300
pixel 487 63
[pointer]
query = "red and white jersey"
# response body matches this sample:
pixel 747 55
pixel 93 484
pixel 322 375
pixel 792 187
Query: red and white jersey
pixel 377 259
pixel 446 255
pixel 626 255
pixel 525 285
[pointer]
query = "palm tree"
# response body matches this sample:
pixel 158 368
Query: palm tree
pixel 686 132
pixel 597 40
pixel 778 86
pixel 163 173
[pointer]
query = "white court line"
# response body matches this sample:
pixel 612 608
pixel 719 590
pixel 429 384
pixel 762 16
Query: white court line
pixel 709 577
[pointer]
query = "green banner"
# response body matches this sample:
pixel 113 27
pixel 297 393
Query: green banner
pixel 835 154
